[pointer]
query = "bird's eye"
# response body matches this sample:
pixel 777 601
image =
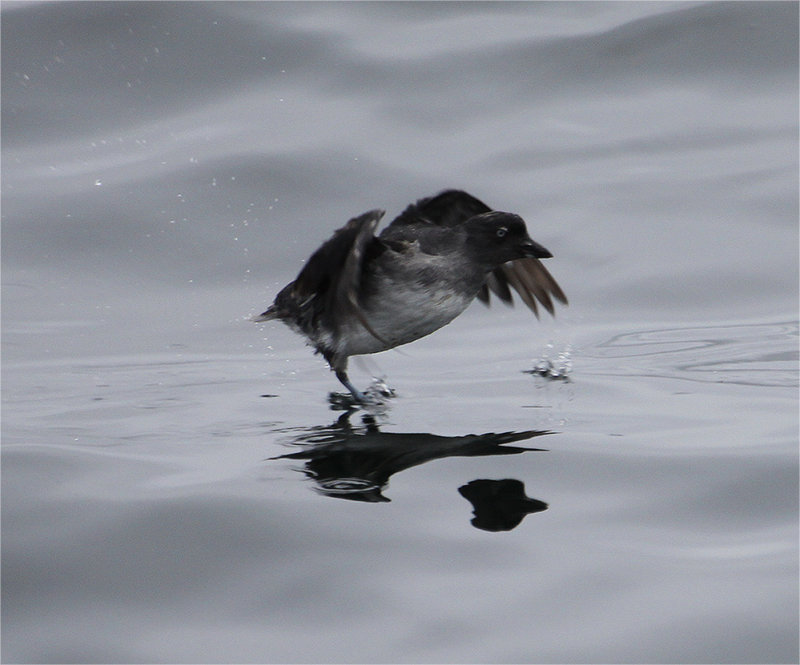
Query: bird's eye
pixel 501 231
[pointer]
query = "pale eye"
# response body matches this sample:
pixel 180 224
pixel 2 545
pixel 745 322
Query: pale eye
pixel 502 231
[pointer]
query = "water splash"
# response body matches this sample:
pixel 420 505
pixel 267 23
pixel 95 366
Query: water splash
pixel 376 404
pixel 379 390
pixel 558 369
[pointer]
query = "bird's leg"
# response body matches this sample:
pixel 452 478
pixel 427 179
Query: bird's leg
pixel 372 396
pixel 341 374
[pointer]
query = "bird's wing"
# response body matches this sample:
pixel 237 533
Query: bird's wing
pixel 528 276
pixel 449 208
pixel 333 273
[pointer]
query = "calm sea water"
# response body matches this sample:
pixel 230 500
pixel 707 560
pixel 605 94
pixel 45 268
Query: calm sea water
pixel 176 484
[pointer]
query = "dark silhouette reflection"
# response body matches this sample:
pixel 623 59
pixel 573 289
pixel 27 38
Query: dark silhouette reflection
pixel 356 463
pixel 499 505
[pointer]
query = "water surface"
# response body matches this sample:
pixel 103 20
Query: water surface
pixel 177 485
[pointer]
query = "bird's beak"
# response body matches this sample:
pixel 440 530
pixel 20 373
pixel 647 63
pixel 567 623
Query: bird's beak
pixel 534 249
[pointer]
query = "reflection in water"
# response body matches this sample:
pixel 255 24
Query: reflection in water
pixel 499 505
pixel 356 463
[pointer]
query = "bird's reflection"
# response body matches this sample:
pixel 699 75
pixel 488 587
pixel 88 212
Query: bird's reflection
pixel 499 505
pixel 356 463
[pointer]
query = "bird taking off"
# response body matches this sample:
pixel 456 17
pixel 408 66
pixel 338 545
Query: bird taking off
pixel 360 293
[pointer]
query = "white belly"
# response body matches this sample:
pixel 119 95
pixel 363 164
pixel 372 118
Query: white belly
pixel 400 317
pixel 413 302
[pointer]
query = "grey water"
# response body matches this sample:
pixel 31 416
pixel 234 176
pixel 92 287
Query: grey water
pixel 618 484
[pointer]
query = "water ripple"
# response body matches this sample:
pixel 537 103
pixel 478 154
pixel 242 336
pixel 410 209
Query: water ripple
pixel 758 354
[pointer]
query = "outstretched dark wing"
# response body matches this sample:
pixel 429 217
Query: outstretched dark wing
pixel 530 279
pixel 528 276
pixel 334 265
pixel 449 208
pixel 328 285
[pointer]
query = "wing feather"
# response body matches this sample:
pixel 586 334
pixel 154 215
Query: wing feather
pixel 343 298
pixel 448 208
pixel 327 289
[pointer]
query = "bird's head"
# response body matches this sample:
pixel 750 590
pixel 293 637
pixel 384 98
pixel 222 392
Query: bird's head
pixel 497 237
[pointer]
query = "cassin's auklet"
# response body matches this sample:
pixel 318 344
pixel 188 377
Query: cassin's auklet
pixel 360 293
